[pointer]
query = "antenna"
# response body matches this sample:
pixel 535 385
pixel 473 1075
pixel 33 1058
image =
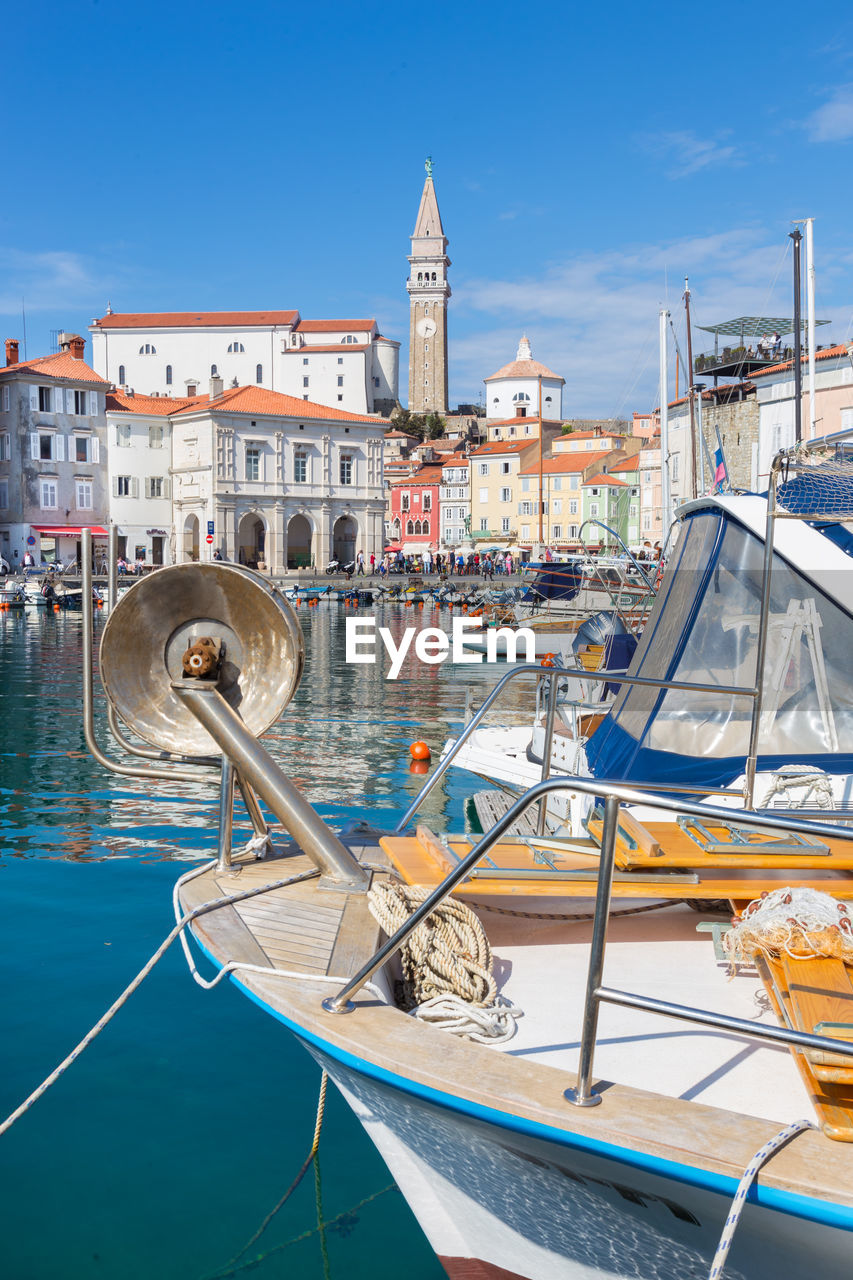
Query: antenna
pixel 24 326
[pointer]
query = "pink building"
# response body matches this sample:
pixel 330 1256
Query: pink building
pixel 414 524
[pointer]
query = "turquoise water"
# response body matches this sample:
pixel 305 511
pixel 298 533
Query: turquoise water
pixel 163 1148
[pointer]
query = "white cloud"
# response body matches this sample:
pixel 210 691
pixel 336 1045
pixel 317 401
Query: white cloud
pixel 594 318
pixel 833 122
pixel 50 280
pixel 688 154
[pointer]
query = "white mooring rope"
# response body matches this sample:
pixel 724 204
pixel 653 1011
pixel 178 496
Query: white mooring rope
pixel 760 1158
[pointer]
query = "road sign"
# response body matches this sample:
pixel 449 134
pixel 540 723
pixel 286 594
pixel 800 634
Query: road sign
pixel 31 542
pixel 209 539
pixel 210 528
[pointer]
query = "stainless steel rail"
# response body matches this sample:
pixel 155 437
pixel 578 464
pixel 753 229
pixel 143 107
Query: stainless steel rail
pixel 527 669
pixel 615 794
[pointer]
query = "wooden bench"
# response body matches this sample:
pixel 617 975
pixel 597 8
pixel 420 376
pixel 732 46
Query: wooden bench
pixel 816 996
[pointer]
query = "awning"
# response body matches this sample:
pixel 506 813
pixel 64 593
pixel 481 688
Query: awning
pixel 67 531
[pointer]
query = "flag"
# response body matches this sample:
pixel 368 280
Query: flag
pixel 721 471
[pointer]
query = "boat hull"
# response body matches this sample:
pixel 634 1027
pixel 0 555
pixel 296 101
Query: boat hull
pixel 497 1204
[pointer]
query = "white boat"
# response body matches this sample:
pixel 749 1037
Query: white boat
pixel 604 1133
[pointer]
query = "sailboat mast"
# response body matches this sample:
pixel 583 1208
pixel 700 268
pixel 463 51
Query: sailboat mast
pixel 693 442
pixel 797 237
pixel 665 499
pixel 810 323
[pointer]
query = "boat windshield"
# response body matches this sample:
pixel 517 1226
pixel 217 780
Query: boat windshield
pixel 704 629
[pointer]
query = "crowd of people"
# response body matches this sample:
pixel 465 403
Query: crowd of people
pixel 446 564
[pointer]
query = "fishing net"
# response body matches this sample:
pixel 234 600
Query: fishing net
pixel 817 485
pixel 802 923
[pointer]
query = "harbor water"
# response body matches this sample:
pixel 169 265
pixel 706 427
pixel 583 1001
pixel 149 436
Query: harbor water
pixel 166 1145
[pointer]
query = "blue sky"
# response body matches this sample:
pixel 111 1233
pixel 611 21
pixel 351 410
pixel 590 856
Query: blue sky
pixel 218 156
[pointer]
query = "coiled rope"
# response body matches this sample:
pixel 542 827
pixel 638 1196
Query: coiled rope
pixel 761 1157
pixel 446 964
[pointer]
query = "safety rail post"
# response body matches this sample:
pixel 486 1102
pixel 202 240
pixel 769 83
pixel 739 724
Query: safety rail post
pixel 553 686
pixel 226 816
pixel 583 1095
pixel 112 568
pixel 763 629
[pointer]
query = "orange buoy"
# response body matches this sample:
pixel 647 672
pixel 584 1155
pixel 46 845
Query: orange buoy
pixel 56 608
pixel 420 751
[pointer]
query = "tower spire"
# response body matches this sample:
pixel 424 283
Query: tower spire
pixel 428 294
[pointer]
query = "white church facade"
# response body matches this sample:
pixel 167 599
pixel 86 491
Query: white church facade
pixel 513 392
pixel 345 364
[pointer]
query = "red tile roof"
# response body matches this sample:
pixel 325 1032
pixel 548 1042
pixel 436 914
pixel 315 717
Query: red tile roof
pixel 627 464
pixel 565 463
pixel 152 406
pixel 524 369
pixel 194 319
pixel 334 326
pixel 593 435
pixel 429 474
pixel 259 400
pixel 826 354
pixel 503 446
pixel 455 460
pixel 602 480
pixel 62 365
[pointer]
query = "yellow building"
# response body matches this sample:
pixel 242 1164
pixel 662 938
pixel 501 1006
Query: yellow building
pixel 495 484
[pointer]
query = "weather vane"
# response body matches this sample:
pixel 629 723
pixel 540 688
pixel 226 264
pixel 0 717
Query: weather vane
pixel 428 167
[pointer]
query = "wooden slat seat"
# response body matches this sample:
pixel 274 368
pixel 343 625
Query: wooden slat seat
pixel 806 995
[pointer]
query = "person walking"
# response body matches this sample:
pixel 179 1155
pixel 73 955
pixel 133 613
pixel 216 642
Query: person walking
pixel 359 560
pixel 372 564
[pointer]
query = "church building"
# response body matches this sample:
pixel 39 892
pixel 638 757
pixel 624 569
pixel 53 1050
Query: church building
pixel 345 364
pixel 428 294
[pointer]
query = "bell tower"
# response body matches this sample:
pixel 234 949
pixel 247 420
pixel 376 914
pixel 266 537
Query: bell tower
pixel 428 293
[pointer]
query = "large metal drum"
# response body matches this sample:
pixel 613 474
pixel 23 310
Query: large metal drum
pixel 162 615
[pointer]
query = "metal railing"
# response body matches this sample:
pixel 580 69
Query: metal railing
pixel 555 673
pixel 616 794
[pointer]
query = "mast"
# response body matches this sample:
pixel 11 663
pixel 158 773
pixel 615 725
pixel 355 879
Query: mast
pixel 541 479
pixel 665 499
pixel 810 322
pixel 797 236
pixel 693 443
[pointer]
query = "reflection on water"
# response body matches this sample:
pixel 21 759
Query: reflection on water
pixel 166 1144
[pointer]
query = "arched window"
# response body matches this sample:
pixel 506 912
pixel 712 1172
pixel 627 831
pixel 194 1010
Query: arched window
pixel 213 371
pixel 410 528
pixel 147 349
pixel 121 378
pixel 520 397
pixel 168 375
pixel 235 348
pixel 259 373
pixel 433 275
pixel 420 276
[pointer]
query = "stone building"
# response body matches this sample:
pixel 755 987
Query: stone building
pixel 283 482
pixel 53 467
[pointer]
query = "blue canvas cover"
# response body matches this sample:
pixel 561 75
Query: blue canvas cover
pixel 554 580
pixel 704 629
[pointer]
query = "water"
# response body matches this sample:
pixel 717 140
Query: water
pixel 165 1145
